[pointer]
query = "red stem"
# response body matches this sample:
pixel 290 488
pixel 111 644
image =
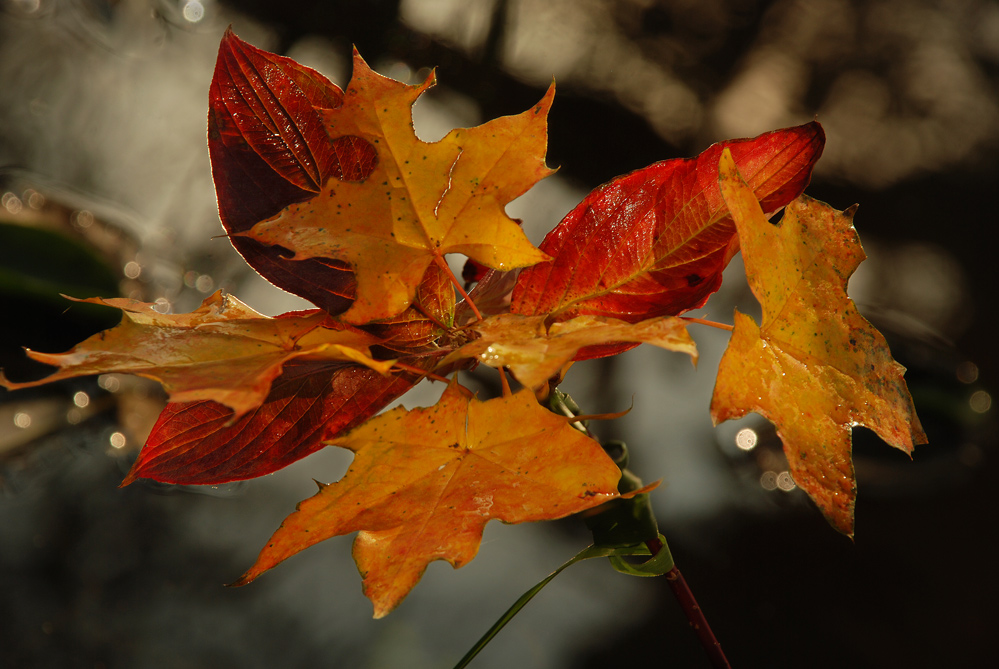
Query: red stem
pixel 457 284
pixel 695 616
pixel 422 372
pixel 714 324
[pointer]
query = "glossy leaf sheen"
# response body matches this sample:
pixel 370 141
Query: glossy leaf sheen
pixel 655 242
pixel 815 367
pixel 425 482
pixel 200 443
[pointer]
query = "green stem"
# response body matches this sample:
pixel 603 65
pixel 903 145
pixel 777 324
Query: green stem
pixel 585 554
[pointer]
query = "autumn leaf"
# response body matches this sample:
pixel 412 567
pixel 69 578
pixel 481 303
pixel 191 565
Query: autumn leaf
pixel 815 367
pixel 414 201
pixel 223 351
pixel 425 482
pixel 202 442
pixel 429 318
pixel 535 353
pixel 655 242
pixel 269 148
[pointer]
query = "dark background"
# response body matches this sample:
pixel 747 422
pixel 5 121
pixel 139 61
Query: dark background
pixel 907 91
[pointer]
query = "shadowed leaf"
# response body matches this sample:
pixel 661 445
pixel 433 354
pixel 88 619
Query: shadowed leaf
pixel 223 351
pixel 535 353
pixel 200 443
pixel 269 149
pixel 429 318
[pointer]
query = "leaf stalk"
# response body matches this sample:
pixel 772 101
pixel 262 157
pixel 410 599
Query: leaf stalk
pixel 457 285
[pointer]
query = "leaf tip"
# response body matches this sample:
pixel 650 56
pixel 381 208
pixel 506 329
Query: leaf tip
pixel 430 81
pixel 130 477
pixel 245 579
pixel 546 100
pixel 726 165
pixel 360 65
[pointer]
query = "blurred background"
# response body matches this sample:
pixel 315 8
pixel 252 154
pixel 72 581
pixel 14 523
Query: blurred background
pixel 106 190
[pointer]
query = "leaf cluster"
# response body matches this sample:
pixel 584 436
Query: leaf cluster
pixel 329 194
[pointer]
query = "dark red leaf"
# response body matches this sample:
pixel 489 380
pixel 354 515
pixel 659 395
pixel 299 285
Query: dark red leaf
pixel 655 242
pixel 269 149
pixel 193 442
pixel 272 113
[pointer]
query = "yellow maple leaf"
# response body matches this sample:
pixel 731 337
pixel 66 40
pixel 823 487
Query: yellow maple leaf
pixel 417 200
pixel 223 351
pixel 814 367
pixel 535 353
pixel 425 482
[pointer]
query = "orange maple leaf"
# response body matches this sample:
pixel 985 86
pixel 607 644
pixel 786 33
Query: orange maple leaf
pixel 223 351
pixel 535 352
pixel 425 482
pixel 815 367
pixel 414 201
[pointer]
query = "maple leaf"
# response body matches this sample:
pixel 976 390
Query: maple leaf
pixel 655 242
pixel 814 366
pixel 425 482
pixel 203 443
pixel 223 351
pixel 415 201
pixel 535 352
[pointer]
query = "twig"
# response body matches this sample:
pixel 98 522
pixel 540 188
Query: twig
pixel 695 616
pixel 457 284
pixel 714 324
pixel 422 372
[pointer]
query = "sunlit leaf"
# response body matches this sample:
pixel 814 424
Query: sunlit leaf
pixel 814 366
pixel 414 200
pixel 655 242
pixel 425 482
